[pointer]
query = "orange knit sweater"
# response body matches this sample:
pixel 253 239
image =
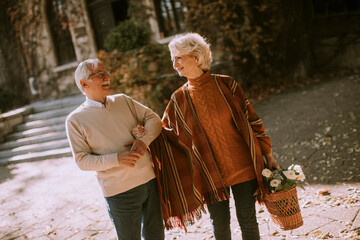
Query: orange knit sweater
pixel 229 148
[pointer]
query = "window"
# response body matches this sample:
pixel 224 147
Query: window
pixel 59 26
pixel 331 8
pixel 170 16
pixel 105 15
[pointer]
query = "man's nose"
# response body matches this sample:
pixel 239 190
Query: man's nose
pixel 107 77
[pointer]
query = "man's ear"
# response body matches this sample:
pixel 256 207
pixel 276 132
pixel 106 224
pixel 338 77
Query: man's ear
pixel 83 83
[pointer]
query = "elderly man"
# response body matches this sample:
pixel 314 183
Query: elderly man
pixel 100 136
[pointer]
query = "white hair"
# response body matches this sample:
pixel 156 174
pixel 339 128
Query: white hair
pixel 83 71
pixel 192 44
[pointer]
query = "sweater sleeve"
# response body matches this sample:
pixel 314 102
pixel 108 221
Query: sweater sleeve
pixel 256 125
pixel 149 119
pixel 82 152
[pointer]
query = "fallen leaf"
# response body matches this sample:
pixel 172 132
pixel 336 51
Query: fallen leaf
pixel 274 233
pixel 324 192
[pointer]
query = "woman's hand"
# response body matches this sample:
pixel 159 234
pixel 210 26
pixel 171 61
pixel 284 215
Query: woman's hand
pixel 137 146
pixel 271 162
pixel 138 131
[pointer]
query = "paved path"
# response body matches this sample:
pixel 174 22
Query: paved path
pixel 53 199
pixel 316 126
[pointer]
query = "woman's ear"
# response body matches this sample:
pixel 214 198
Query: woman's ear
pixel 196 59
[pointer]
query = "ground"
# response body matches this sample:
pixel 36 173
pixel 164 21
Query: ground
pixel 316 126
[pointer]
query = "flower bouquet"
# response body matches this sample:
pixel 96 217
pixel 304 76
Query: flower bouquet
pixel 282 201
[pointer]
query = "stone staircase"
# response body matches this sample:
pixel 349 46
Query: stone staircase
pixel 42 134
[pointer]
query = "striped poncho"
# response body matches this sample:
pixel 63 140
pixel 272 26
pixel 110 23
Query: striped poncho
pixel 187 172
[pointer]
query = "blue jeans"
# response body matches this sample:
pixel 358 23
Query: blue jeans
pixel 135 207
pixel 245 211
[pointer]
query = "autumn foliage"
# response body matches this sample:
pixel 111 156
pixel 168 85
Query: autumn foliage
pixel 259 40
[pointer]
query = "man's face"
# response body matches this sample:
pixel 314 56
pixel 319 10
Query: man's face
pixel 97 86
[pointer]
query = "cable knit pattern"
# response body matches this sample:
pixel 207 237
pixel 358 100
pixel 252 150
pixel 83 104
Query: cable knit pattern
pixel 209 115
pixel 230 151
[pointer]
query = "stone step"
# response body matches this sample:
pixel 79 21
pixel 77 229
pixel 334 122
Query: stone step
pixel 36 156
pixel 50 114
pixel 42 134
pixel 35 132
pixel 40 123
pixel 33 140
pixel 32 148
pixel 48 105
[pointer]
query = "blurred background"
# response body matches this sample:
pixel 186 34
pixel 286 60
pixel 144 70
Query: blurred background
pixel 266 45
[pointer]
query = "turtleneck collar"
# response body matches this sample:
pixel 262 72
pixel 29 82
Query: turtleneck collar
pixel 203 79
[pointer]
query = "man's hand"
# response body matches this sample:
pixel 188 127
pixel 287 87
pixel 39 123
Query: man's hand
pixel 138 131
pixel 138 146
pixel 128 158
pixel 271 162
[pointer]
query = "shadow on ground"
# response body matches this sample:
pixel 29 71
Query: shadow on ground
pixel 6 173
pixel 317 127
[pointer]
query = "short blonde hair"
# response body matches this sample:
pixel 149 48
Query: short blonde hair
pixel 83 71
pixel 192 44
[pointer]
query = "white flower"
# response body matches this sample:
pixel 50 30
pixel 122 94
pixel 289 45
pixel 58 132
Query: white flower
pixel 300 177
pixel 290 174
pixel 266 173
pixel 296 168
pixel 275 182
pixel 298 172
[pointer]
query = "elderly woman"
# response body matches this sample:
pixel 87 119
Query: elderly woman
pixel 212 141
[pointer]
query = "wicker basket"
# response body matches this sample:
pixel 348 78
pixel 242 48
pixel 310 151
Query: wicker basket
pixel 284 209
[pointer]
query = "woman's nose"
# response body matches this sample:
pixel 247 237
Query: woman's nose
pixel 175 63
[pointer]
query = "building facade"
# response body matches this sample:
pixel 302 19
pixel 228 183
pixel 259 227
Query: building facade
pixel 58 34
pixel 55 35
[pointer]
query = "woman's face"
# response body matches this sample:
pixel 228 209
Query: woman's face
pixel 186 66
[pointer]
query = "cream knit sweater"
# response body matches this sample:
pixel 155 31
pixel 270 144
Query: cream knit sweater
pixel 97 134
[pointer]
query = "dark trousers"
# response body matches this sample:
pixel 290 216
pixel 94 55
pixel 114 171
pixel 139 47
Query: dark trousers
pixel 136 208
pixel 245 211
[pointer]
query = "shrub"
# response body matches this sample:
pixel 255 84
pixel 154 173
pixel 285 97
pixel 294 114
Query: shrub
pixel 259 39
pixel 127 35
pixel 145 74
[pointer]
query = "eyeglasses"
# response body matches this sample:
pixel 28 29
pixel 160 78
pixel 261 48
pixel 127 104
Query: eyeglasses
pixel 100 74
